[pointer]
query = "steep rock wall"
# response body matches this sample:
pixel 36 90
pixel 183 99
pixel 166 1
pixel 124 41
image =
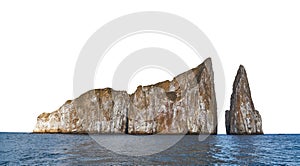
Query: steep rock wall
pixel 187 104
pixel 242 118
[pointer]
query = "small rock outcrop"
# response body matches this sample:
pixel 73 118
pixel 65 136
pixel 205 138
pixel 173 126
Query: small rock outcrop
pixel 187 104
pixel 242 118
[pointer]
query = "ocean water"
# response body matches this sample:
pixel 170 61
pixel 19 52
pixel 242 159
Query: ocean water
pixel 68 149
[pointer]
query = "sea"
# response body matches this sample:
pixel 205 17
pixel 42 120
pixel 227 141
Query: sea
pixel 74 149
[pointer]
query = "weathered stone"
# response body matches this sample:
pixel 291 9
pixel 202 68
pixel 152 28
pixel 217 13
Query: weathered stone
pixel 242 118
pixel 96 111
pixel 187 104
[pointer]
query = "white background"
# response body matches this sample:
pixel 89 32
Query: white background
pixel 40 43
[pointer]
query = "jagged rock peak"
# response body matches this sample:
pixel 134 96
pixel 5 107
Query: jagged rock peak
pixel 241 86
pixel 186 104
pixel 242 118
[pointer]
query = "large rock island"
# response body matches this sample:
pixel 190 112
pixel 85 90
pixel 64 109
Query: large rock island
pixel 187 104
pixel 242 118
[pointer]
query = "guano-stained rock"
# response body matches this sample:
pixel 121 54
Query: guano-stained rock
pixel 242 118
pixel 187 104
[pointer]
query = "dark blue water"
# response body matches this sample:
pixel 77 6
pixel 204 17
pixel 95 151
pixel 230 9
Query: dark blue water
pixel 59 149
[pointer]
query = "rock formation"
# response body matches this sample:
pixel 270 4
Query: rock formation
pixel 187 104
pixel 242 118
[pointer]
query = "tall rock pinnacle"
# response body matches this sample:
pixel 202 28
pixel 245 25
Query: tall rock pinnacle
pixel 242 118
pixel 186 104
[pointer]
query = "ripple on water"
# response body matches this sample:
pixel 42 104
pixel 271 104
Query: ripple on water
pixel 45 149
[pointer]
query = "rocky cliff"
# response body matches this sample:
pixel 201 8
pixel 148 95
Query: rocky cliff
pixel 187 104
pixel 242 118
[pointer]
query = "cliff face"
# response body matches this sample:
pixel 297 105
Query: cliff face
pixel 242 118
pixel 187 104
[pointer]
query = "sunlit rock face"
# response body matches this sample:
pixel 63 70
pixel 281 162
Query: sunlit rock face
pixel 96 111
pixel 187 104
pixel 242 118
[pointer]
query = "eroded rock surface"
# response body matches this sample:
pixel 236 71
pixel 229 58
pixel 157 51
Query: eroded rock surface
pixel 187 104
pixel 242 118
pixel 96 111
